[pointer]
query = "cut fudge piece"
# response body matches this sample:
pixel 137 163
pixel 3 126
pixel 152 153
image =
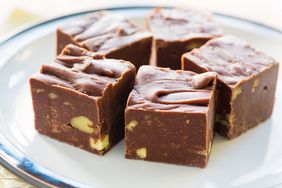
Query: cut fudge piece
pixel 170 116
pixel 109 34
pixel 247 82
pixel 81 97
pixel 176 31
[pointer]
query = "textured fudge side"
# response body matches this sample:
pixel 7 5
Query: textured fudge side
pixel 170 117
pixel 177 31
pixel 109 34
pixel 247 82
pixel 81 97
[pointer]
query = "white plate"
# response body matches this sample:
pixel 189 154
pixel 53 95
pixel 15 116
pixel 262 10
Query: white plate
pixel 252 160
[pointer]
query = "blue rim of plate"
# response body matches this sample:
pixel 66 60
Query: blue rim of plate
pixel 34 173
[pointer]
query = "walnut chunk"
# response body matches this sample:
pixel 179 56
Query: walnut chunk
pixel 39 90
pixel 52 95
pixel 236 91
pixel 130 126
pixel 141 153
pixel 53 112
pixel 230 118
pixel 82 123
pixel 100 144
pixel 255 85
pixel 202 152
pixel 67 103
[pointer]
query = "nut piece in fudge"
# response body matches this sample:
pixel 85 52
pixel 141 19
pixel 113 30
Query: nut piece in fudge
pixel 110 34
pixel 246 82
pixel 177 31
pixel 170 116
pixel 80 99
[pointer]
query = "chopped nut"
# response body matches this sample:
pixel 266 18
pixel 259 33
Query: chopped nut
pixel 141 152
pixel 230 117
pixel 100 144
pixel 236 91
pixel 53 112
pixel 131 125
pixel 39 90
pixel 255 85
pixel 68 104
pixel 83 124
pixel 209 149
pixel 52 95
pixel 203 152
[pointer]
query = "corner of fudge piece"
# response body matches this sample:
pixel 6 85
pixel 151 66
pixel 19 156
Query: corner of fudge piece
pixel 80 99
pixel 66 33
pixel 246 82
pixel 110 34
pixel 178 30
pixel 170 116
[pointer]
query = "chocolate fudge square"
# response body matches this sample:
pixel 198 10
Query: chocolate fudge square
pixel 170 116
pixel 110 34
pixel 177 31
pixel 246 82
pixel 80 99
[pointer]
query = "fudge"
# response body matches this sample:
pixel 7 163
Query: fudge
pixel 109 34
pixel 80 99
pixel 176 31
pixel 170 116
pixel 246 82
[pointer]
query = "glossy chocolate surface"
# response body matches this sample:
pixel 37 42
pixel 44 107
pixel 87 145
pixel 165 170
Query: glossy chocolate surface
pixel 246 82
pixel 182 24
pixel 177 31
pixel 80 99
pixel 109 34
pixel 174 90
pixel 232 58
pixel 170 116
pixel 83 71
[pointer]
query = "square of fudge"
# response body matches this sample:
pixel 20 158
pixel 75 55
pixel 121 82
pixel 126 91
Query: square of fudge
pixel 177 31
pixel 170 116
pixel 246 82
pixel 110 34
pixel 80 99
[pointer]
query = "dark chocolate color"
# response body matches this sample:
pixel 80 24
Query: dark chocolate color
pixel 81 86
pixel 108 34
pixel 247 82
pixel 171 114
pixel 176 31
